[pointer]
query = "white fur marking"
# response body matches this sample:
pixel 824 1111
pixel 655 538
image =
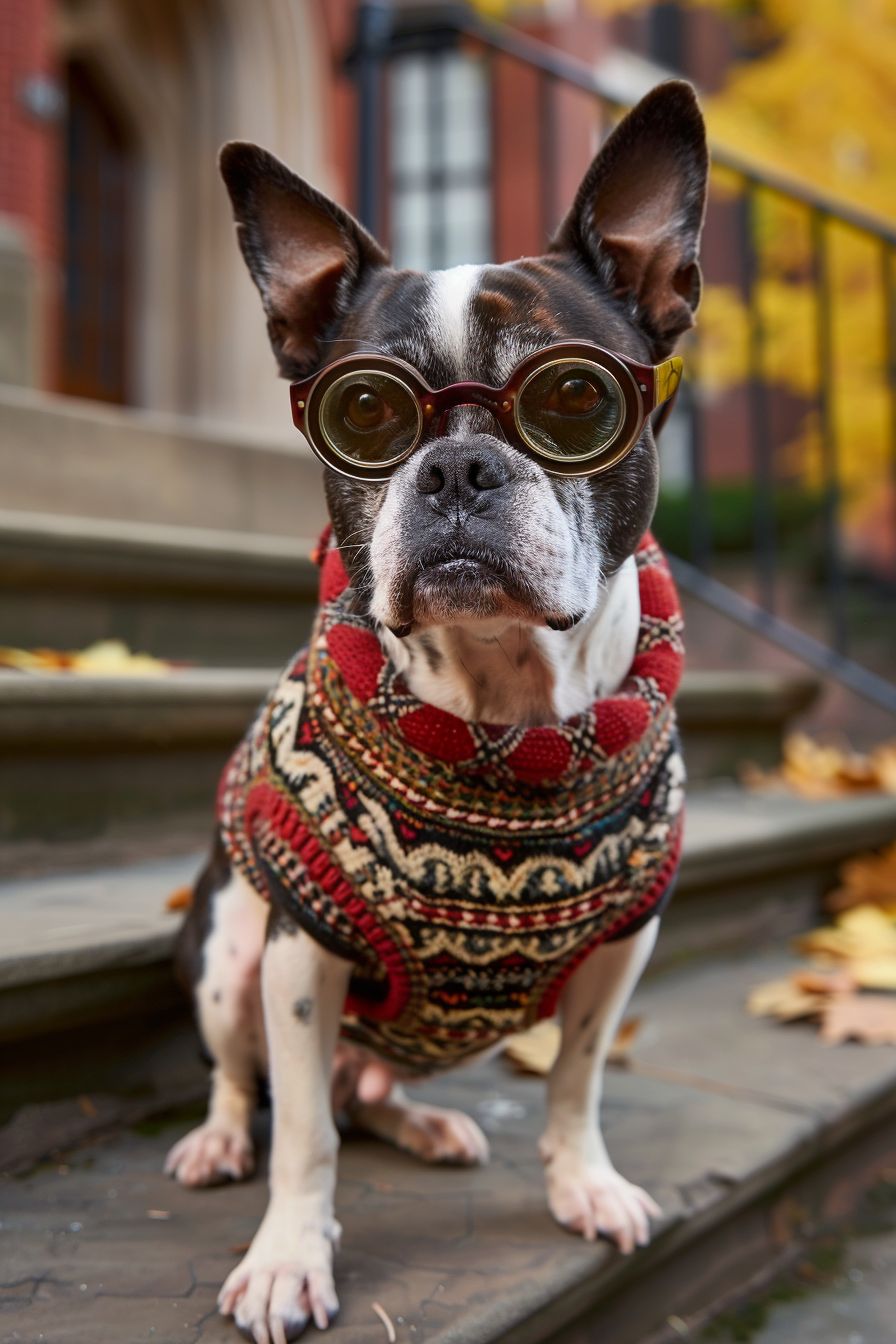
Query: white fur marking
pixel 588 661
pixel 449 312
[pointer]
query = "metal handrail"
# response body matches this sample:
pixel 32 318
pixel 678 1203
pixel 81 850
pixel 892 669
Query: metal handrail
pixel 385 31
pixel 571 70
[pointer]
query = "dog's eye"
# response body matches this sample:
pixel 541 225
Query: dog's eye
pixel 578 395
pixel 366 409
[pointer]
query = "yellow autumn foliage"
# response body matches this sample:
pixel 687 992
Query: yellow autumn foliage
pixel 814 99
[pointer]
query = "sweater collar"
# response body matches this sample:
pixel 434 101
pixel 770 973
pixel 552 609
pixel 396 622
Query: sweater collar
pixel 616 738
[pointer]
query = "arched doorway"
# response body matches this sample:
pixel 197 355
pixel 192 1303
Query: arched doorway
pixel 156 87
pixel 98 213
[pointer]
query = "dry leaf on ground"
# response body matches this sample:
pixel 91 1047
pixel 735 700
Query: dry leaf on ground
pixel 856 953
pixel 106 658
pixel 869 1018
pixel 824 982
pixel 784 1000
pixel 864 933
pixel 869 879
pixel 621 1048
pixel 883 759
pixel 35 660
pixel 800 995
pixel 180 899
pixel 873 972
pixel 815 770
pixel 535 1050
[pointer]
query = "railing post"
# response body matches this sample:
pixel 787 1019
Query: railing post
pixel 761 449
pixel 832 522
pixel 374 26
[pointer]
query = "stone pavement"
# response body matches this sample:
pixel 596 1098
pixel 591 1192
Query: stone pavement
pixel 99 1248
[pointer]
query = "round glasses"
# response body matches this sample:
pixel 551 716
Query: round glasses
pixel 574 408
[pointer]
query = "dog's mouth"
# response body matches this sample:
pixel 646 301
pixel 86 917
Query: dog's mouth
pixel 467 584
pixel 464 582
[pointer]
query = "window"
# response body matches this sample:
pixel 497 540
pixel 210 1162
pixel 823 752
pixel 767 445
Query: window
pixel 440 190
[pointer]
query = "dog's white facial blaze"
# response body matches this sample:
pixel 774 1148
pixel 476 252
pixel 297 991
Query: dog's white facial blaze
pixel 448 313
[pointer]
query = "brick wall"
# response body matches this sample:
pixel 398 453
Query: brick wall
pixel 30 153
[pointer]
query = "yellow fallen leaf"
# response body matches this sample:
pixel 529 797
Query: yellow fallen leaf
pixel 883 759
pixel 838 981
pixel 106 658
pixel 535 1050
pixel 784 1000
pixel 816 770
pixel 35 660
pixel 873 972
pixel 862 932
pixel 869 879
pixel 113 658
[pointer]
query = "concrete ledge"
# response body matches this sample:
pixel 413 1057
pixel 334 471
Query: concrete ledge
pixel 95 714
pixel 729 717
pixel 753 1138
pixel 56 708
pixel 191 594
pixel 45 549
pixel 64 456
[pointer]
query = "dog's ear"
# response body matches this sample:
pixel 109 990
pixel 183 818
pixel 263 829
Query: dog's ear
pixel 304 252
pixel 638 214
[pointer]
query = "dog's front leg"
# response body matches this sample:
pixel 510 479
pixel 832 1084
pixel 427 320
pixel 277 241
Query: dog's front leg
pixel 585 1191
pixel 286 1276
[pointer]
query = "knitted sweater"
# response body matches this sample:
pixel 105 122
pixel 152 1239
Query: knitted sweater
pixel 465 869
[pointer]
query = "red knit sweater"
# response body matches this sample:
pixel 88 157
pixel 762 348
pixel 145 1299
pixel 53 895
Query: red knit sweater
pixel 465 869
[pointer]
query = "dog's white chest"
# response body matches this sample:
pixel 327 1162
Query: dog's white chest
pixel 504 672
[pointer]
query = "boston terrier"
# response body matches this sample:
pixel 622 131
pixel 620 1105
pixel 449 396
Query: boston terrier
pixel 459 811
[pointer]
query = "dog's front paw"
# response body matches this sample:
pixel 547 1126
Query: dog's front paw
pixel 272 1294
pixel 592 1198
pixel 439 1135
pixel 210 1154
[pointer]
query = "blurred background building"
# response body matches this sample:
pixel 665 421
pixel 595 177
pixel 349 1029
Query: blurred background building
pixel 121 281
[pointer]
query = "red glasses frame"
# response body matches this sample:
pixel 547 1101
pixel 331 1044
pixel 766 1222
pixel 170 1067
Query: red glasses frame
pixel 643 388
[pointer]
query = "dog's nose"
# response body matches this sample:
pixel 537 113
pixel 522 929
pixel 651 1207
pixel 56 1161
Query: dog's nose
pixel 459 474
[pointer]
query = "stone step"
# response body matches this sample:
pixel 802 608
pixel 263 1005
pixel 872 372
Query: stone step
pixel 189 594
pixel 94 946
pixel 754 1138
pixel 88 757
pixel 227 598
pixel 68 456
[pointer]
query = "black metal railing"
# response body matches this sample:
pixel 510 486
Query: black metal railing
pixel 800 595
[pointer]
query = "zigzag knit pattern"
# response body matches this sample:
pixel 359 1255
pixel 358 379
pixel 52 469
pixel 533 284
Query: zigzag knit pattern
pixel 464 868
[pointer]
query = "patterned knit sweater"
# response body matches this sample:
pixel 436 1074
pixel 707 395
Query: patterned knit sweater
pixel 465 869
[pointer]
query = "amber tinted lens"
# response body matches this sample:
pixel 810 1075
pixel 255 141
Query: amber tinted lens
pixel 369 418
pixel 570 410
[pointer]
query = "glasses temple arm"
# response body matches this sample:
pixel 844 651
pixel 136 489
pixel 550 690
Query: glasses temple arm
pixel 666 377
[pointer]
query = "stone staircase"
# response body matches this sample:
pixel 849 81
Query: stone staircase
pixel 754 1137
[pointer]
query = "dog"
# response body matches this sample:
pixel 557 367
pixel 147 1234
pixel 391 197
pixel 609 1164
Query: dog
pixel 497 631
